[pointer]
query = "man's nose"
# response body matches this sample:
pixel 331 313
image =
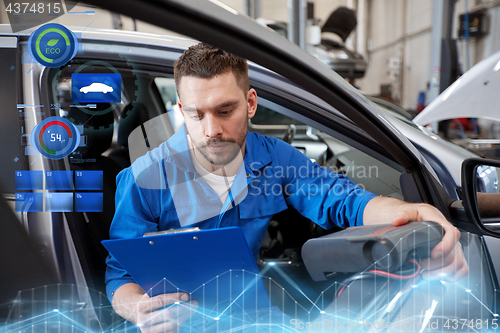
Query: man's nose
pixel 213 127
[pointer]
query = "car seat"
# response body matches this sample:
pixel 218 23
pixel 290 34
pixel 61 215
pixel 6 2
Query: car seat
pixel 131 117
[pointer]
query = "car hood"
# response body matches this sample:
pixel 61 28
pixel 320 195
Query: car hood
pixel 473 95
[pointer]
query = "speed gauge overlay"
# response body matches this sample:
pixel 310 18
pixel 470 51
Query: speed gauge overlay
pixel 55 138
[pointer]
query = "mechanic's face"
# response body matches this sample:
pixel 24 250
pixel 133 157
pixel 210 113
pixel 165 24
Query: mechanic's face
pixel 216 112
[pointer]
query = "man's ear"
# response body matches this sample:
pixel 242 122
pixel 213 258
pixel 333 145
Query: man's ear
pixel 180 107
pixel 252 102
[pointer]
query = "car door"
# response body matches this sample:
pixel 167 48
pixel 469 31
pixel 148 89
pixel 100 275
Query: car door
pixel 11 130
pixel 281 108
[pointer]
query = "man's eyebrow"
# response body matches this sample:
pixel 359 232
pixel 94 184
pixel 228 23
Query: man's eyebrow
pixel 217 107
pixel 189 108
pixel 226 104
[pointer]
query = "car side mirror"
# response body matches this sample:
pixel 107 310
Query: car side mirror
pixel 482 193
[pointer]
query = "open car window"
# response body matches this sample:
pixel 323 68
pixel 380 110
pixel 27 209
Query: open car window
pixel 370 173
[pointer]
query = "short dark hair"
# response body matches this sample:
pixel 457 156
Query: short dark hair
pixel 206 61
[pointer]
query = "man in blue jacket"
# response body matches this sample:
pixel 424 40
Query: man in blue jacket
pixel 213 173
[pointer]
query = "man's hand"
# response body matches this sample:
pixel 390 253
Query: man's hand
pixel 447 261
pixel 162 313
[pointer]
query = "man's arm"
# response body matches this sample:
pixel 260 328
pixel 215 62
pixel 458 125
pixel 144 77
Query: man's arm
pixel 131 303
pixel 133 217
pixel 447 261
pixel 488 204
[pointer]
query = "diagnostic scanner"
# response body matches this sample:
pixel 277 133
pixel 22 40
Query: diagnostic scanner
pixel 381 247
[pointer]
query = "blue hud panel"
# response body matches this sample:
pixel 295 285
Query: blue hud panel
pixel 59 202
pixel 29 202
pixel 88 202
pixel 88 180
pixel 96 88
pixel 59 180
pixel 29 180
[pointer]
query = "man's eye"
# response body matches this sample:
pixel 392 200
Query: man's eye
pixel 196 116
pixel 226 112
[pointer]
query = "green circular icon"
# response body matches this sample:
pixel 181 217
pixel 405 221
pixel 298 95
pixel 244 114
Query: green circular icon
pixel 53 45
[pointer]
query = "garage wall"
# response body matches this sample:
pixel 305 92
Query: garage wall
pixel 392 31
pixel 238 5
pixel 398 44
pixel 491 42
pixel 3 13
pixel 389 37
pixel 277 9
pixel 486 45
pixel 479 48
pixel 398 30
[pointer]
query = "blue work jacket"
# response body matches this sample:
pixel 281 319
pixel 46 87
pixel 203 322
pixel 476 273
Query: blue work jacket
pixel 162 190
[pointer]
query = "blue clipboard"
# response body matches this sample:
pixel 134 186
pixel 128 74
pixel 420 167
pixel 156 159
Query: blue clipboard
pixel 216 267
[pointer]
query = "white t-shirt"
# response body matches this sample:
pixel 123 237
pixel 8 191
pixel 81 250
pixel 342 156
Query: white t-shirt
pixel 220 184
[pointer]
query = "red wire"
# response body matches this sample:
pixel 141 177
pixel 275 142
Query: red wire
pixel 341 290
pixel 404 277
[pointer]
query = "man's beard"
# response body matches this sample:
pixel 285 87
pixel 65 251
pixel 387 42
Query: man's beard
pixel 222 158
pixel 232 150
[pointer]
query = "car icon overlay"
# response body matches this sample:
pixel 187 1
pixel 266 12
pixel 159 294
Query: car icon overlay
pixel 97 87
